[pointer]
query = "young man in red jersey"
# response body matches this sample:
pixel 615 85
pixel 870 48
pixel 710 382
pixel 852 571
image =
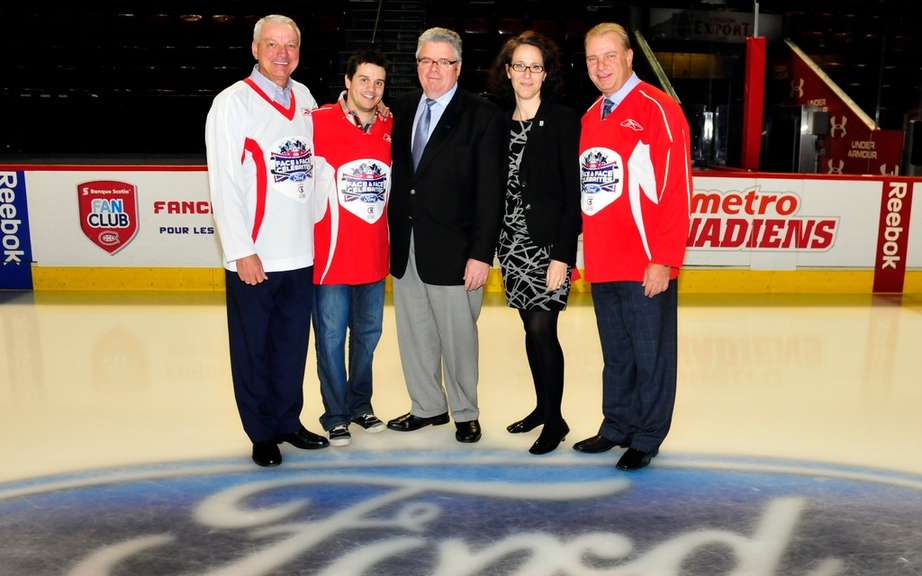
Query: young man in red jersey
pixel 351 245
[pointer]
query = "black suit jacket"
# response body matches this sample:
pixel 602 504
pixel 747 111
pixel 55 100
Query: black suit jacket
pixel 550 167
pixel 453 202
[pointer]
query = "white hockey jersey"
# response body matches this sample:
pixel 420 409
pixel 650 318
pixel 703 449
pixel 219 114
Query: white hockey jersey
pixel 261 175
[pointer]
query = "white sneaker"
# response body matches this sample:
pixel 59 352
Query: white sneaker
pixel 340 436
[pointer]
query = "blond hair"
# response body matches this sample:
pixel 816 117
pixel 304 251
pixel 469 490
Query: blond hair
pixel 610 28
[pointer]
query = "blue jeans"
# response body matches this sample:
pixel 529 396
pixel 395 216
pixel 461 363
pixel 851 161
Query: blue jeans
pixel 360 309
pixel 639 345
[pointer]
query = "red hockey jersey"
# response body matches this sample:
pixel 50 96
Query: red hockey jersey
pixel 351 239
pixel 635 172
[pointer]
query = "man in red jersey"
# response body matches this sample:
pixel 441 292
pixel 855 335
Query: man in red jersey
pixel 635 172
pixel 351 245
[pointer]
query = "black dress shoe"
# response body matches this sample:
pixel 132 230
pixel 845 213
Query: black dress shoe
pixel 304 439
pixel 550 438
pixel 267 454
pixel 467 431
pixel 526 424
pixel 635 459
pixel 409 422
pixel 595 445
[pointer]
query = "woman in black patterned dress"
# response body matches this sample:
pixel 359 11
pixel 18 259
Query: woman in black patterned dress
pixel 537 244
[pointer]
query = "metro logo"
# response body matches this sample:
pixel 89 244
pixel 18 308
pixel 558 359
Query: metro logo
pixel 754 220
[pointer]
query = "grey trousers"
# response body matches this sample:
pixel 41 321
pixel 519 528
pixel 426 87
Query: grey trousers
pixel 436 334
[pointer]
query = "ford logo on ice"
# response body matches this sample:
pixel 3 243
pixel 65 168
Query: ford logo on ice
pixel 466 513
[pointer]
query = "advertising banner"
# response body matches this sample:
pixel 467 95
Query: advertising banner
pixel 16 263
pixel 854 145
pixel 161 217
pixel 122 218
pixel 783 223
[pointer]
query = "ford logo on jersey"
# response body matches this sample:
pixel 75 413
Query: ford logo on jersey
pixel 291 161
pixel 466 513
pixel 601 175
pixel 362 186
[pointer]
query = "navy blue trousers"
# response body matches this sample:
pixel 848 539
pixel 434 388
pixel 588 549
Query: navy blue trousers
pixel 639 342
pixel 268 326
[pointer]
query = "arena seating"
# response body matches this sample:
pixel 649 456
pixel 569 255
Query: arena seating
pixel 131 77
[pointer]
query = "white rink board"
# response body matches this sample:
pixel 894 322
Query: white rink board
pixel 162 239
pixel 167 239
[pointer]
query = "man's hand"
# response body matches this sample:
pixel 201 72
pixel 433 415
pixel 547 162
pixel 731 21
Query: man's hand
pixel 382 110
pixel 250 270
pixel 655 279
pixel 475 274
pixel 556 275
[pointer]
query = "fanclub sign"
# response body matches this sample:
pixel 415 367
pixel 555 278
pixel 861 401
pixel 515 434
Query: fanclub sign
pixel 108 213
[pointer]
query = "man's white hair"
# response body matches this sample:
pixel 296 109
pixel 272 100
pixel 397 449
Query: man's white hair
pixel 275 18
pixel 440 35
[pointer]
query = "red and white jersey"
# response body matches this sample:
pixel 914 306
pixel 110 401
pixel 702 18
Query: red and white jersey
pixel 261 175
pixel 351 238
pixel 635 172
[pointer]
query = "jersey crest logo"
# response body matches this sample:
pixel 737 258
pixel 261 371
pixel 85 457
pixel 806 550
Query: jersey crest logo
pixel 292 161
pixel 601 178
pixel 363 186
pixel 632 124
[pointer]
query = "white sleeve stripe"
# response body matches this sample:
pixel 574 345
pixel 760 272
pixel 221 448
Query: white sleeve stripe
pixel 661 111
pixel 662 189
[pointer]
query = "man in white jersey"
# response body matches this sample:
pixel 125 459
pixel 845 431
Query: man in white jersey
pixel 259 138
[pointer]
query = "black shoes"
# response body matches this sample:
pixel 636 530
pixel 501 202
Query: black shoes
pixel 550 438
pixel 409 422
pixel 635 459
pixel 304 439
pixel 596 444
pixel 526 424
pixel 467 432
pixel 267 454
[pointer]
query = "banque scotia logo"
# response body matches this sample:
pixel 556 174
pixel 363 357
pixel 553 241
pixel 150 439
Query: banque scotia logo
pixel 452 514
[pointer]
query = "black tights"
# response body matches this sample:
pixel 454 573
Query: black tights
pixel 545 358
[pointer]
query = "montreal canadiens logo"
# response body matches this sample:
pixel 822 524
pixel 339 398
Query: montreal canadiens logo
pixel 291 162
pixel 108 213
pixel 363 187
pixel 601 177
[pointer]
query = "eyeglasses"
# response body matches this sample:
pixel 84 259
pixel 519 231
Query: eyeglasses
pixel 534 68
pixel 441 62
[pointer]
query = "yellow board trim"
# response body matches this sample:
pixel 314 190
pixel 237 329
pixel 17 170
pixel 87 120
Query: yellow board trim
pixel 691 281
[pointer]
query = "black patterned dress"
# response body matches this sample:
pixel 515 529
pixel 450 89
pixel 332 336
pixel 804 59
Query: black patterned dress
pixel 524 263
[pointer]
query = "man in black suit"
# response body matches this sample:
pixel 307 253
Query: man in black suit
pixel 445 212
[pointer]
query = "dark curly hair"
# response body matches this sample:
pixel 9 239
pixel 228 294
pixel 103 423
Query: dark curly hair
pixel 366 56
pixel 501 87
